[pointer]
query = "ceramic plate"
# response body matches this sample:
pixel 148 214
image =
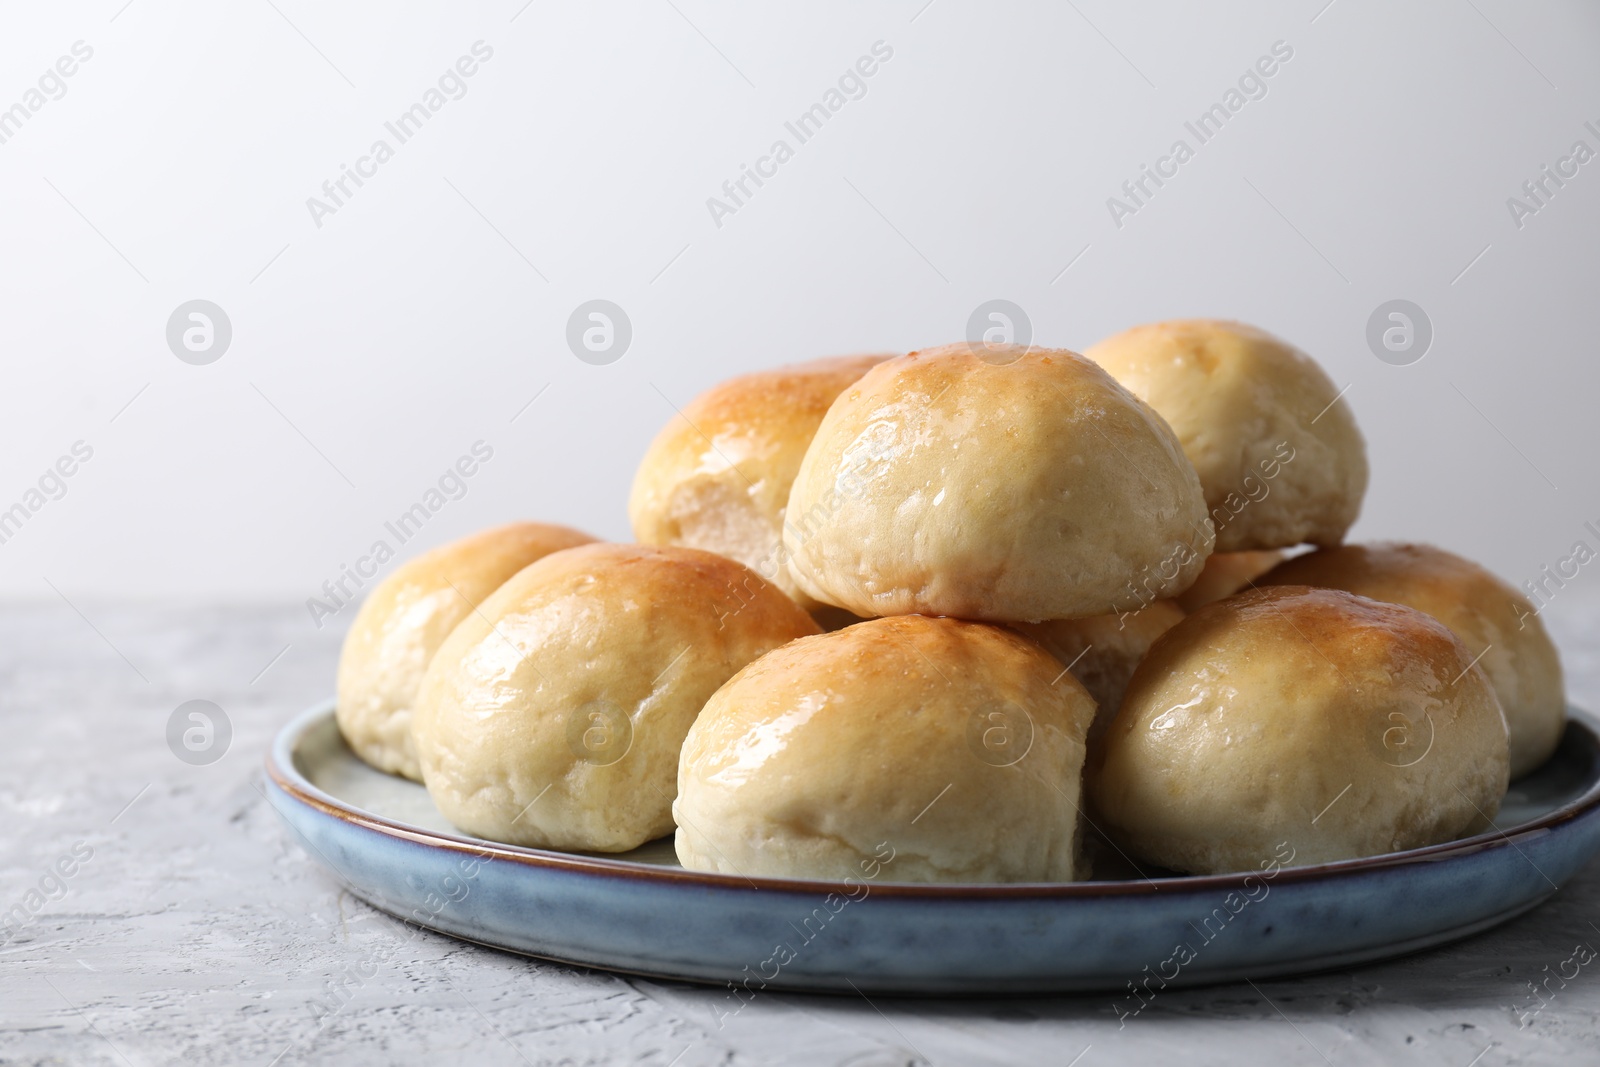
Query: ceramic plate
pixel 642 913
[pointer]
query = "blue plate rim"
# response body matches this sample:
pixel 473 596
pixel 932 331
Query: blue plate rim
pixel 283 775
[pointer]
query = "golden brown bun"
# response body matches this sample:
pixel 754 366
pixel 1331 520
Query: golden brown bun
pixel 1492 619
pixel 1102 652
pixel 407 617
pixel 1337 725
pixel 1226 573
pixel 1013 486
pixel 552 716
pixel 717 476
pixel 941 743
pixel 1280 460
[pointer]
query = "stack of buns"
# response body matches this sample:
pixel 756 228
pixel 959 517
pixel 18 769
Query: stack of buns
pixel 953 615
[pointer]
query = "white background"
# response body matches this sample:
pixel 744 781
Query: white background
pixel 375 350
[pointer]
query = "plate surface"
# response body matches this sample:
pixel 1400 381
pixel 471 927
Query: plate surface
pixel 640 912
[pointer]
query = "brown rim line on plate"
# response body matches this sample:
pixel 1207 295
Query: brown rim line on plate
pixel 297 786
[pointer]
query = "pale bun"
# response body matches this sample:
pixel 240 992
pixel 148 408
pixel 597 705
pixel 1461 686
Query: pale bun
pixel 951 747
pixel 1000 483
pixel 717 476
pixel 1497 624
pixel 1277 450
pixel 1337 726
pixel 552 716
pixel 406 618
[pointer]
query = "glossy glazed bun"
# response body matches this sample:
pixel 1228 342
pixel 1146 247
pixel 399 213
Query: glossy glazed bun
pixel 1015 485
pixel 1493 620
pixel 1102 652
pixel 1279 456
pixel 553 715
pixel 407 617
pixel 718 475
pixel 945 751
pixel 1341 726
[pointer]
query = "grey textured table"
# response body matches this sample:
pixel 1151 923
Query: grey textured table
pixel 196 929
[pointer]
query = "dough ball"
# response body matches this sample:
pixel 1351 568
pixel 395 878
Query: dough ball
pixel 553 715
pixel 407 617
pixel 1302 719
pixel 1496 623
pixel 718 475
pixel 1003 484
pixel 906 749
pixel 1279 455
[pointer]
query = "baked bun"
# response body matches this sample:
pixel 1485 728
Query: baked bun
pixel 1493 620
pixel 552 716
pixel 1003 483
pixel 1225 573
pixel 1102 652
pixel 1339 726
pixel 1280 459
pixel 934 749
pixel 717 476
pixel 406 618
